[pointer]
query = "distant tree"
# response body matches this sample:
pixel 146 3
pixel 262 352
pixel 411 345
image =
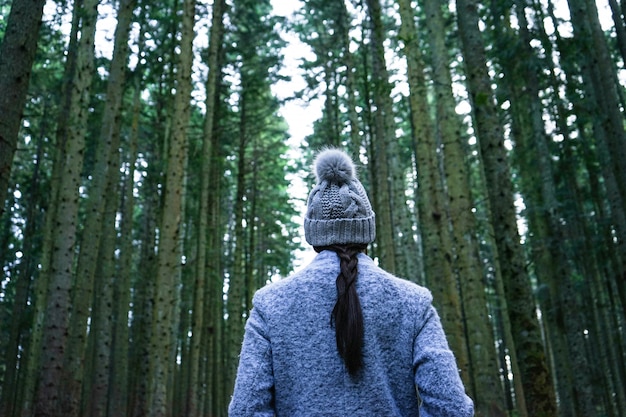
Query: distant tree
pixel 253 56
pixel 169 252
pixel 156 55
pixel 431 201
pixel 118 402
pixel 602 88
pixel 18 316
pixel 535 375
pixel 396 244
pixel 489 397
pixel 213 369
pixel 205 214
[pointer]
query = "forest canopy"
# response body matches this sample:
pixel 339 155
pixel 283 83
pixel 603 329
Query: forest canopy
pixel 155 160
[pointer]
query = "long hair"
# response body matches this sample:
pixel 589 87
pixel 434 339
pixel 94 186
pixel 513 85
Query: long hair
pixel 347 317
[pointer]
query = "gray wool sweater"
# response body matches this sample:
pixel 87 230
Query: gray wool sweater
pixel 289 365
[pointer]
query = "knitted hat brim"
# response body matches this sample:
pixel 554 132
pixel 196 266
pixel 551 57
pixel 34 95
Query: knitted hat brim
pixel 340 231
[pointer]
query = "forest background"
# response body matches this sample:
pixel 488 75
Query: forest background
pixel 148 191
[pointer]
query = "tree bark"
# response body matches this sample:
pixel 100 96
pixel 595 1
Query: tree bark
pixel 433 217
pixel 489 397
pixel 620 28
pixel 101 331
pixel 600 85
pixel 378 161
pixel 236 303
pixel 536 379
pixel 106 165
pixel 27 278
pixel 17 53
pixel 50 392
pixel 118 403
pixel 169 255
pixel 206 189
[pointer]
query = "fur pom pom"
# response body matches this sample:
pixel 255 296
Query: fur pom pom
pixel 334 166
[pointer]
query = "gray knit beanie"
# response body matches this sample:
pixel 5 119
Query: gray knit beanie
pixel 338 210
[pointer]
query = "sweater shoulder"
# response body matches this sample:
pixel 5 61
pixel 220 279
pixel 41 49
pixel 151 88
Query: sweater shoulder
pixel 271 291
pixel 400 287
pixel 279 292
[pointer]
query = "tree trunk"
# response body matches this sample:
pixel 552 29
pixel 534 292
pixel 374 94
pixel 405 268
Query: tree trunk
pixel 215 370
pixel 119 396
pixel 378 157
pixel 432 213
pixel 207 187
pixel 236 283
pixel 120 399
pixel 50 227
pixel 102 315
pixel 105 166
pixel 343 29
pixel 600 85
pixel 489 397
pixel 213 309
pixel 17 53
pixel 620 28
pixel 143 305
pixel 169 256
pixel 51 391
pixel 33 356
pixel 536 380
pixel 16 362
pixel 390 175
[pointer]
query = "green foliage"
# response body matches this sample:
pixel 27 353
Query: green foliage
pixel 268 211
pixel 5 7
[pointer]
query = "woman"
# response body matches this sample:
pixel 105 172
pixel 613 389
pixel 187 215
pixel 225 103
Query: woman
pixel 342 337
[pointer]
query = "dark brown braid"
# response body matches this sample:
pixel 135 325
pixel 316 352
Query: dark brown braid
pixel 347 316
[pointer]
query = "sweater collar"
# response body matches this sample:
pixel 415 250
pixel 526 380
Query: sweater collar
pixel 329 255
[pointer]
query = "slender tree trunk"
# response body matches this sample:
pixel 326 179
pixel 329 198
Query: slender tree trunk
pixel 119 403
pixel 601 87
pixel 169 257
pixel 215 369
pixel 206 188
pixel 17 53
pixel 119 396
pixel 41 285
pixel 102 316
pixel 51 394
pixel 236 284
pixel 15 362
pixel 143 306
pixel 343 27
pixel 378 157
pixel 390 177
pixel 536 379
pixel 620 28
pixel 181 365
pixel 105 166
pixel 489 397
pixel 331 128
pixel 33 357
pixel 432 213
